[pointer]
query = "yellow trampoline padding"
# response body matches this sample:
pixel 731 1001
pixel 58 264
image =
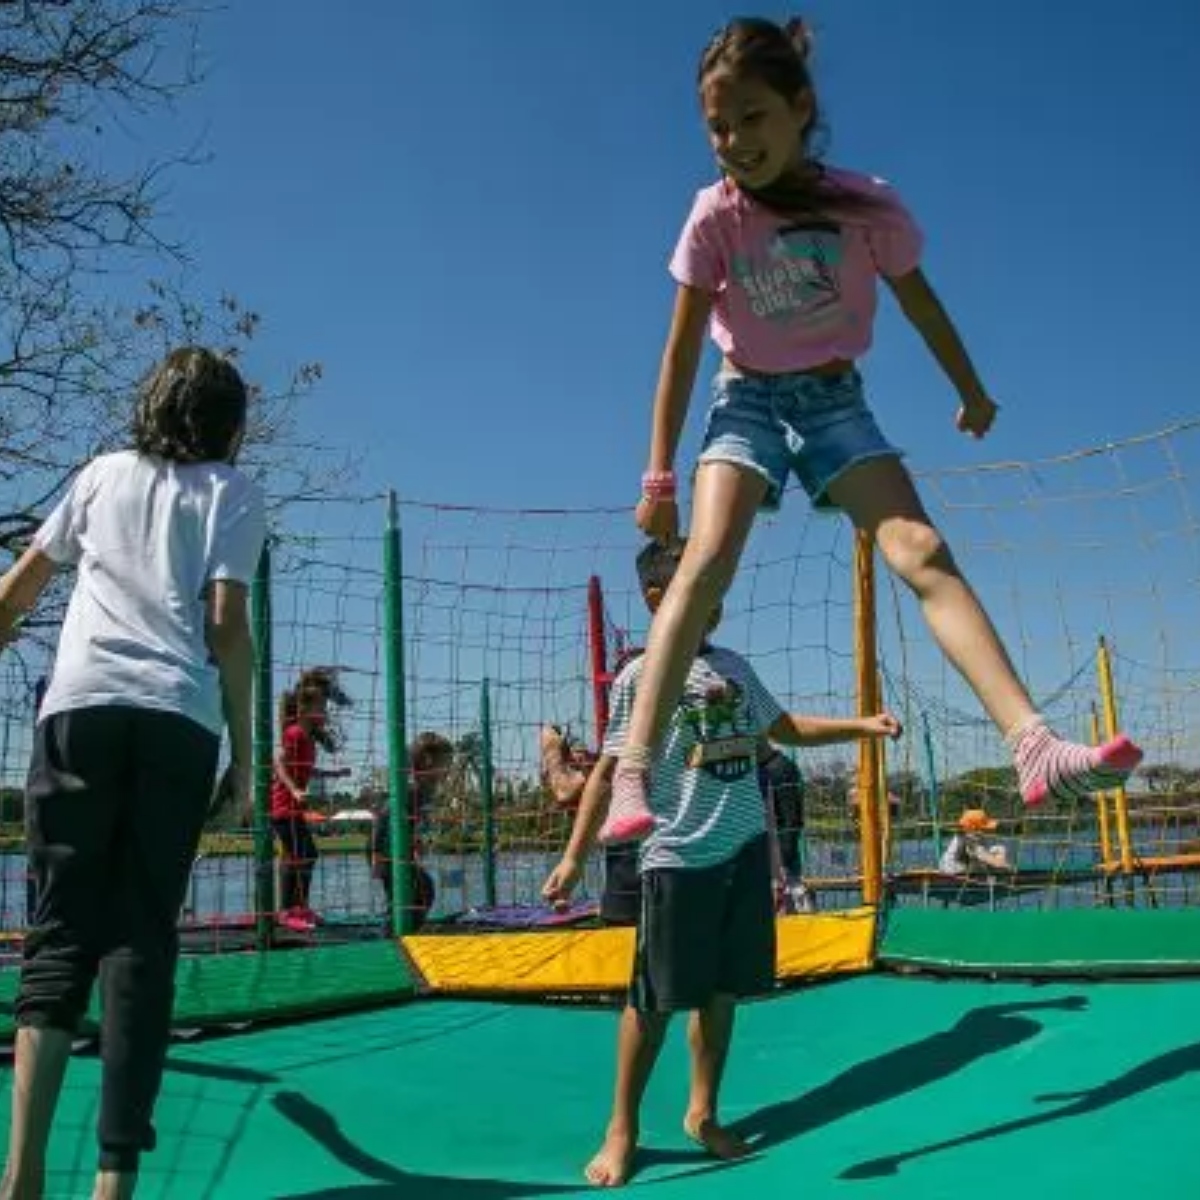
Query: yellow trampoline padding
pixel 581 960
pixel 838 943
pixel 601 960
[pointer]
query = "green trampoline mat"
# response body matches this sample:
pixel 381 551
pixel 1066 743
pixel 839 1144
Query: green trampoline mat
pixel 873 1087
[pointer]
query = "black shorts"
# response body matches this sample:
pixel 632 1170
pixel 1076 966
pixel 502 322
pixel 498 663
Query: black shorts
pixel 706 932
pixel 621 900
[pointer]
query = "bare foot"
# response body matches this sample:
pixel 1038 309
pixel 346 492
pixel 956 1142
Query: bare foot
pixel 719 1141
pixel 23 1185
pixel 613 1163
pixel 564 781
pixel 113 1185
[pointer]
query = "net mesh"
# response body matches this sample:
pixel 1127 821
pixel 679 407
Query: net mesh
pixel 1097 544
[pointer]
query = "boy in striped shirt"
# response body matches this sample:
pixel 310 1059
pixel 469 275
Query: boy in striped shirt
pixel 706 929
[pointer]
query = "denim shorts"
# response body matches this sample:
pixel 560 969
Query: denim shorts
pixel 818 426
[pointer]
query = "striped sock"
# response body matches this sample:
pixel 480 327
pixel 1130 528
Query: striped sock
pixel 629 817
pixel 1050 768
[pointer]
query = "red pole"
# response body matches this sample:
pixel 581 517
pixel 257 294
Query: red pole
pixel 599 656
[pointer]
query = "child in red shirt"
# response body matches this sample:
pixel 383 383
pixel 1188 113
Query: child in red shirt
pixel 304 717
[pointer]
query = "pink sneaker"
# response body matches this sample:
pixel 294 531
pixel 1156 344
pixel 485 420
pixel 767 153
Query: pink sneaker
pixel 296 920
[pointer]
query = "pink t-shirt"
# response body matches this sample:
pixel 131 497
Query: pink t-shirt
pixel 790 294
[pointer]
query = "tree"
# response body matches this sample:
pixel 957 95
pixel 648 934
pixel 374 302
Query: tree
pixel 908 787
pixel 73 77
pixel 466 771
pixel 12 806
pixel 827 791
pixel 1168 777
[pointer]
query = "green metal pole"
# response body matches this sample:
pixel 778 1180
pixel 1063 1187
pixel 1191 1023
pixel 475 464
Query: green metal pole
pixel 488 784
pixel 264 731
pixel 4 751
pixel 401 847
pixel 935 815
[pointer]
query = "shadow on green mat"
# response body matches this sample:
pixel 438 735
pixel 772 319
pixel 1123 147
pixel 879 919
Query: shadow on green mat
pixel 389 1181
pixel 989 1029
pixel 1155 1072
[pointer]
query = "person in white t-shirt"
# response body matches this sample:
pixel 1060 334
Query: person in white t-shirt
pixel 154 659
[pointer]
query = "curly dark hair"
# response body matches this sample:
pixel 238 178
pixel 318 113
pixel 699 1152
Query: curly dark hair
pixel 191 408
pixel 429 750
pixel 316 687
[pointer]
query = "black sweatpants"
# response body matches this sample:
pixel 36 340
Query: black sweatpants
pixel 115 804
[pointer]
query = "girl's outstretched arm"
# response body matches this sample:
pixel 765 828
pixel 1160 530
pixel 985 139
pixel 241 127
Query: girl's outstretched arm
pixel 798 729
pixel 677 375
pixel 920 304
pixel 676 379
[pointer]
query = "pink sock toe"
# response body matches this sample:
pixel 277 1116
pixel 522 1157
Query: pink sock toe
pixel 1121 754
pixel 1050 768
pixel 632 828
pixel 629 817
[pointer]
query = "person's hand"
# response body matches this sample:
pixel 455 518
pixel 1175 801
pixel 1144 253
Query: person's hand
pixel 882 725
pixel 976 415
pixel 658 519
pixel 561 882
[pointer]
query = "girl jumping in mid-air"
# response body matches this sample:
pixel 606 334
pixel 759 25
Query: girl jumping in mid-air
pixel 304 726
pixel 780 259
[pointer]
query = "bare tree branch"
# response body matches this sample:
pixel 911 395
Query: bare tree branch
pixel 74 74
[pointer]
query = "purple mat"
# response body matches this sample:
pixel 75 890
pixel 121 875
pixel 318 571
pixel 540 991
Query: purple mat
pixel 523 916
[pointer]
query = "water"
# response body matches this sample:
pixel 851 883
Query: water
pixel 342 886
pixel 344 889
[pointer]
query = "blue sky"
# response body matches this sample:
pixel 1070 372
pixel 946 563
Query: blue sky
pixel 464 212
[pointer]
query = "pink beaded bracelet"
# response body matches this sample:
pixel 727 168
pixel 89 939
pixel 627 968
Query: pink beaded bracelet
pixel 659 485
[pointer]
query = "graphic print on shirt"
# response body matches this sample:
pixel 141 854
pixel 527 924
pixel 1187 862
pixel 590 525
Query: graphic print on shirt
pixel 719 721
pixel 795 275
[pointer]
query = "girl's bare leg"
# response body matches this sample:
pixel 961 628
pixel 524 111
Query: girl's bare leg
pixel 726 499
pixel 880 498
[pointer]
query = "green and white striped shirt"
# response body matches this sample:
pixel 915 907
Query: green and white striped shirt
pixel 704 780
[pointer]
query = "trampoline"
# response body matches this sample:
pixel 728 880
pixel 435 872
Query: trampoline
pixel 875 1086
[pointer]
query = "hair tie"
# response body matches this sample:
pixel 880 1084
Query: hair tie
pixel 800 36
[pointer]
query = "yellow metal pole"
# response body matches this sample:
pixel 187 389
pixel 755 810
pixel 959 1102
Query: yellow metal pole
pixel 1101 800
pixel 881 774
pixel 867 671
pixel 1108 695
